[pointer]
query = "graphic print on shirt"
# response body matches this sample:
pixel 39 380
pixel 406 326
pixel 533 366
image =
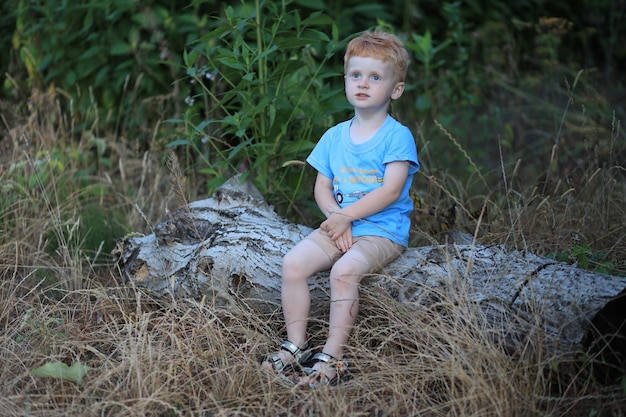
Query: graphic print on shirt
pixel 351 184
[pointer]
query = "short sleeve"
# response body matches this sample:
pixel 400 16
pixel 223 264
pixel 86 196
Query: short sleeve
pixel 319 156
pixel 402 148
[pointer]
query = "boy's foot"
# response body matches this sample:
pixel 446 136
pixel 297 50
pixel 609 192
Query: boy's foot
pixel 326 371
pixel 287 357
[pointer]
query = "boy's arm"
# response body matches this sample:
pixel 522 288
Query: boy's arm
pixel 340 219
pixel 324 195
pixel 325 198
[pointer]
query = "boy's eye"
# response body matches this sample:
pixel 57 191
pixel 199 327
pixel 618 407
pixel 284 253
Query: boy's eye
pixel 376 77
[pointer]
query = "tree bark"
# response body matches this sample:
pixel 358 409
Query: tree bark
pixel 228 250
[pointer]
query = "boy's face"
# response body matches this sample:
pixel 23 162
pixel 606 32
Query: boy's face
pixel 371 83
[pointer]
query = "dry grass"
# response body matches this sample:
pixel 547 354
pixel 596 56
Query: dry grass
pixel 150 357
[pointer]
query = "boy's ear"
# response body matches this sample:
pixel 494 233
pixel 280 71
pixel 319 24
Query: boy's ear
pixel 397 91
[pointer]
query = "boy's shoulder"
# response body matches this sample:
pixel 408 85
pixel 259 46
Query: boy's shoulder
pixel 395 122
pixel 393 125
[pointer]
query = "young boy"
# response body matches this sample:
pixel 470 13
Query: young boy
pixel 365 167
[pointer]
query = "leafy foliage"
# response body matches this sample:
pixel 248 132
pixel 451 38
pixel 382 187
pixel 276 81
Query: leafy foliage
pixel 249 86
pixel 117 53
pixel 473 59
pixel 264 96
pixel 585 258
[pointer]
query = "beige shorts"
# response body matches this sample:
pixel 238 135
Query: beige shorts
pixel 379 251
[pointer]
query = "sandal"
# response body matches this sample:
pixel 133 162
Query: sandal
pixel 300 356
pixel 318 377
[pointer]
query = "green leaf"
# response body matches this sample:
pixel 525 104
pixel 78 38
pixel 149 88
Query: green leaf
pixel 231 63
pixel 178 142
pixel 319 19
pixel 102 76
pixel 120 48
pixel 234 151
pixel 289 66
pixel 311 4
pixel 88 22
pixel 218 33
pixel 314 35
pixel 60 370
pixel 70 78
pixel 91 52
pixel 100 144
pixel 291 42
pixel 335 32
pixel 265 53
pixel 190 58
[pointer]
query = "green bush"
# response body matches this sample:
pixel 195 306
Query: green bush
pixel 253 84
pixel 265 96
pixel 114 53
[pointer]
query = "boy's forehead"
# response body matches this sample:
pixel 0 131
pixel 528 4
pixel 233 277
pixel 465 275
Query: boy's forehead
pixel 359 60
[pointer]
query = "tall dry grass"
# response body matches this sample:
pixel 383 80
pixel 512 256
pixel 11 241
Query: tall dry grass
pixel 61 301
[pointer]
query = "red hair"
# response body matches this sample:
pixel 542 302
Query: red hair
pixel 380 45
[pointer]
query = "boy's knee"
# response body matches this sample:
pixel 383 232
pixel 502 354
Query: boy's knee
pixel 292 264
pixel 350 268
pixel 290 259
pixel 344 275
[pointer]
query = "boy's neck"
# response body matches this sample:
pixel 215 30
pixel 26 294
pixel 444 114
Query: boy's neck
pixel 364 126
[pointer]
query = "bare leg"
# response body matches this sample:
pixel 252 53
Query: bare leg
pixel 344 307
pixel 344 281
pixel 299 264
pixel 304 260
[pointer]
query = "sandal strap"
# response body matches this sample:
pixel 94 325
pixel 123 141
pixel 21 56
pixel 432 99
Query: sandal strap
pixel 340 366
pixel 325 357
pixel 300 354
pixel 290 347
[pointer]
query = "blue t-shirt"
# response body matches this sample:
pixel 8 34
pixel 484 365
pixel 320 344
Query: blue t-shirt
pixel 357 169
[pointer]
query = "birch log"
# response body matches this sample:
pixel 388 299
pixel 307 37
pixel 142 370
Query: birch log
pixel 228 249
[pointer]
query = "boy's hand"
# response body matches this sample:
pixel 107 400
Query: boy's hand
pixel 344 241
pixel 339 228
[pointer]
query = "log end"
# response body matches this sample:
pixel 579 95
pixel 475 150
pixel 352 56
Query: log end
pixel 605 342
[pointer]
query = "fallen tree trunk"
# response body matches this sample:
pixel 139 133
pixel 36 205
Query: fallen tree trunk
pixel 228 249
